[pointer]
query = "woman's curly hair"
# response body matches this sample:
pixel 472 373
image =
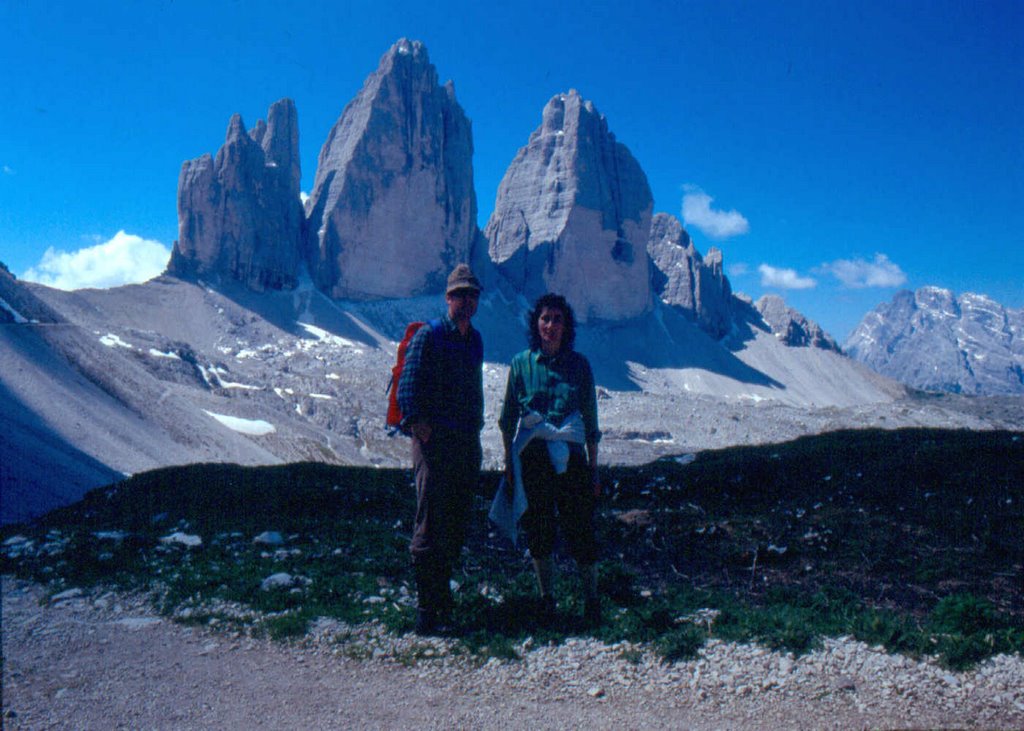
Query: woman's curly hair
pixel 554 302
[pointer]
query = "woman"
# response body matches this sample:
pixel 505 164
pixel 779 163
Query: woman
pixel 549 426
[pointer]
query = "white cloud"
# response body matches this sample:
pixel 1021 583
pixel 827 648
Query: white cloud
pixel 697 212
pixel 860 274
pixel 739 269
pixel 784 278
pixel 124 259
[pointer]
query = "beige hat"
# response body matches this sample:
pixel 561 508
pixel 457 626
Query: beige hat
pixel 462 277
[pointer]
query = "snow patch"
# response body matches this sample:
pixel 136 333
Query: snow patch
pixel 230 384
pixel 18 318
pixel 324 337
pixel 221 383
pixel 158 354
pixel 111 341
pixel 253 427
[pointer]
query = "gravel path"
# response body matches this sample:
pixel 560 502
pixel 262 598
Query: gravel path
pixel 106 662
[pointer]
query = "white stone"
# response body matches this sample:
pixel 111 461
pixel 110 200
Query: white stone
pixel 269 538
pixel 280 580
pixel 182 539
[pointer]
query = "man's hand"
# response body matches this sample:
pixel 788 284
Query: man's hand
pixel 421 431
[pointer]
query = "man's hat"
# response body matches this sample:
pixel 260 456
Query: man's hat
pixel 462 277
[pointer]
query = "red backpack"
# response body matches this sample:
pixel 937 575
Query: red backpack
pixel 394 418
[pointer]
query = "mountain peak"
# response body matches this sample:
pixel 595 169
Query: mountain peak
pixel 393 207
pixel 405 47
pixel 934 340
pixel 681 277
pixel 574 208
pixel 790 326
pixel 239 214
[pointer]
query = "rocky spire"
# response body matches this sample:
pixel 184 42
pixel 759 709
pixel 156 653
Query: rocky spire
pixel 573 214
pixel 791 327
pixel 682 278
pixel 239 214
pixel 393 206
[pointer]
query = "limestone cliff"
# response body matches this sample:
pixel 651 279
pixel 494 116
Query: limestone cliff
pixel 573 214
pixel 239 214
pixel 683 278
pixel 393 207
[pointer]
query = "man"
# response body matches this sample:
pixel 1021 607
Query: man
pixel 442 401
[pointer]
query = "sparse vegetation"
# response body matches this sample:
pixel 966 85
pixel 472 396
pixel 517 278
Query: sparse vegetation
pixel 909 539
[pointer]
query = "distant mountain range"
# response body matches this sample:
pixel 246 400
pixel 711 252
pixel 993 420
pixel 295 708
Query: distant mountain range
pixel 271 335
pixel 935 340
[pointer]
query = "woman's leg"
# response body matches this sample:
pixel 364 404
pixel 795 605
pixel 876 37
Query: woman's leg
pixel 538 521
pixel 576 505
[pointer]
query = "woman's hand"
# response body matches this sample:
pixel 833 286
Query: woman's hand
pixel 595 478
pixel 421 430
pixel 510 476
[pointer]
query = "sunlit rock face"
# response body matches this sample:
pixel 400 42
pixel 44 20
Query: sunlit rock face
pixel 791 327
pixel 573 214
pixel 239 214
pixel 683 278
pixel 935 340
pixel 393 207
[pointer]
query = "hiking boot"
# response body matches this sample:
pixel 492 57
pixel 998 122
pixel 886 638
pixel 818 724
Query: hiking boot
pixel 433 624
pixel 445 598
pixel 547 611
pixel 592 611
pixel 426 622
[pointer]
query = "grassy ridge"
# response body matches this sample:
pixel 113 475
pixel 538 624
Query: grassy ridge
pixel 911 538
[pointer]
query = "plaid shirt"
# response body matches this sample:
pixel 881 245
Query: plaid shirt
pixel 442 380
pixel 554 387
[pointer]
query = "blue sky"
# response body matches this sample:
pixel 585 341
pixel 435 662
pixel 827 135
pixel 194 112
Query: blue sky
pixel 834 151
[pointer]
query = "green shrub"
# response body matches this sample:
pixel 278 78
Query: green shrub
pixel 287 626
pixel 681 644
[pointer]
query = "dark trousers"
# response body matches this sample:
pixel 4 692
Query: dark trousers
pixel 447 471
pixel 563 501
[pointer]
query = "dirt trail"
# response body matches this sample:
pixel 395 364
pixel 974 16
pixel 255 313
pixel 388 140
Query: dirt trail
pixel 106 662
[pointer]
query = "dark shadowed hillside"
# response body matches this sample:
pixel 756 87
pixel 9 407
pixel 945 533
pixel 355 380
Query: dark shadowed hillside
pixel 907 538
